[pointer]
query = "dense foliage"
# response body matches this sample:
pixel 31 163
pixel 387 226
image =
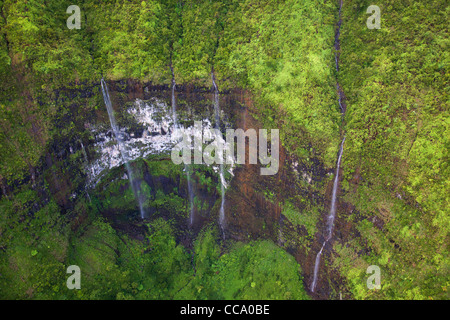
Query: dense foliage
pixel 395 163
pixel 396 159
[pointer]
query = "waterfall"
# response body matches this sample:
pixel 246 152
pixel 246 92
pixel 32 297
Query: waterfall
pixel 316 267
pixel 121 144
pixel 186 167
pixel 84 152
pixel 174 106
pixel 191 194
pixel 87 164
pixel 332 215
pixel 222 178
pixel 340 98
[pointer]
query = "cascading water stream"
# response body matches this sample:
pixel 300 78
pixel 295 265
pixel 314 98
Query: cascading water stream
pixel 330 218
pixel 191 194
pixel 87 163
pixel 174 106
pixel 332 215
pixel 121 144
pixel 316 266
pixel 186 167
pixel 222 178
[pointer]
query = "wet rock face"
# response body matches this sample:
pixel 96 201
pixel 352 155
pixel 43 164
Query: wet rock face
pixel 254 204
pixel 141 127
pixel 250 213
pixel 146 129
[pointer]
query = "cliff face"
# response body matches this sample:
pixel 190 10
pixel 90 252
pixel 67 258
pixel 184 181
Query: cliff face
pixel 66 195
pixel 82 185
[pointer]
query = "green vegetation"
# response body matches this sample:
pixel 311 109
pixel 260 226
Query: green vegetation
pixel 32 260
pixel 394 199
pixel 115 266
pixel 257 270
pixel 396 153
pixel 306 219
pixel 250 44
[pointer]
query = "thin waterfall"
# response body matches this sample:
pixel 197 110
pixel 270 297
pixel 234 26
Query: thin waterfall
pixel 222 178
pixel 87 164
pixel 174 106
pixel 332 215
pixel 330 218
pixel 340 99
pixel 121 144
pixel 191 194
pixel 186 167
pixel 316 266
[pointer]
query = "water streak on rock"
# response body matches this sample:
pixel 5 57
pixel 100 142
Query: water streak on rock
pixel 221 172
pixel 122 148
